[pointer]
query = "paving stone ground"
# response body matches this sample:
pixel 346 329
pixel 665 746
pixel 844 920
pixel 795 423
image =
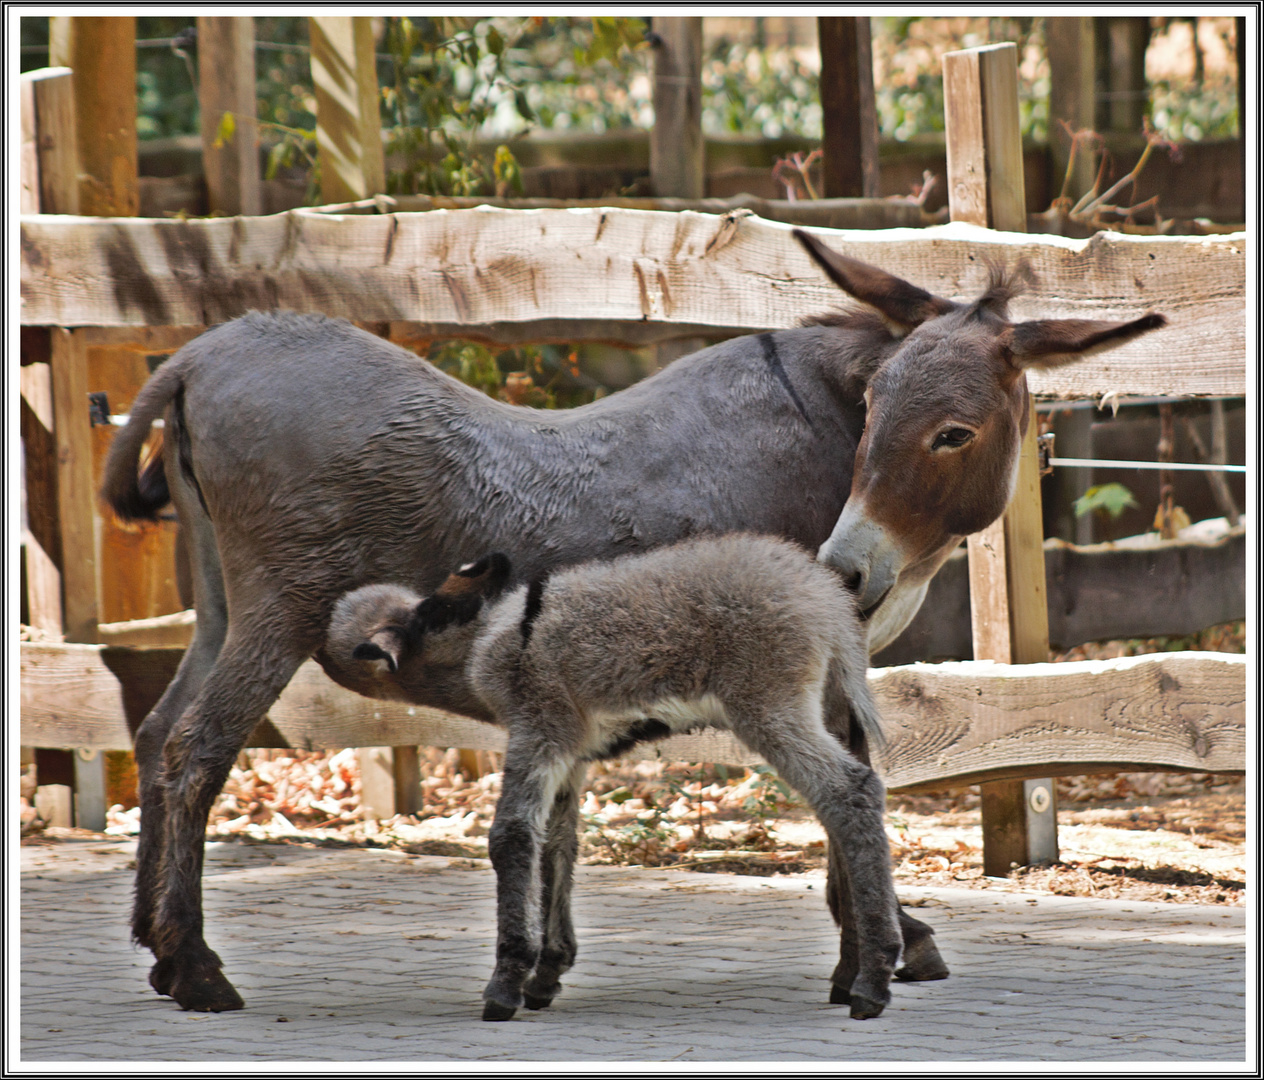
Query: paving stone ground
pixel 377 956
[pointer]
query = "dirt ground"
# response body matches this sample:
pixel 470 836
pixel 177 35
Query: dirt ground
pixel 1145 836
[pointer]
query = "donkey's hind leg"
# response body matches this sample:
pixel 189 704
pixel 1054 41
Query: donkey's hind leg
pixel 199 659
pixel 251 671
pixel 557 869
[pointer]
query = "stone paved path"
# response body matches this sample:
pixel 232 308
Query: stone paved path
pixel 376 956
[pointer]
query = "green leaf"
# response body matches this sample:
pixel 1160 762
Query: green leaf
pixel 278 158
pixel 1112 499
pixel 226 130
pixel 495 43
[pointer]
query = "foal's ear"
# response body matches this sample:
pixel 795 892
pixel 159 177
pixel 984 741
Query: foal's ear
pixel 488 576
pixel 903 306
pixel 386 644
pixel 1049 343
pixel 460 597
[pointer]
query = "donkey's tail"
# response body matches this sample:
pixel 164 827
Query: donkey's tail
pixel 136 494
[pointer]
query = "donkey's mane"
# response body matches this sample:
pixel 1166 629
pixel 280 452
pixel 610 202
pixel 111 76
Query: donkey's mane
pixel 1003 285
pixel 846 318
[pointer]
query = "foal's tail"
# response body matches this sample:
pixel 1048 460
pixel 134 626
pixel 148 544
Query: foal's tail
pixel 849 689
pixel 132 493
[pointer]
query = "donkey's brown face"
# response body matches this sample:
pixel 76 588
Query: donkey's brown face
pixel 946 416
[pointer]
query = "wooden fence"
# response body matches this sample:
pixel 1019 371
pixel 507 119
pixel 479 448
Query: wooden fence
pixel 516 275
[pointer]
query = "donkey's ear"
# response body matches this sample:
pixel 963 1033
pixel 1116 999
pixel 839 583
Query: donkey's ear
pixel 1049 343
pixel 902 306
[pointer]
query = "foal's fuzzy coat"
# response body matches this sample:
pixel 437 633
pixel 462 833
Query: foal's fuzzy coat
pixel 742 632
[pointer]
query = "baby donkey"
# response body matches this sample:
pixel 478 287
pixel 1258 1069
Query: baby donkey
pixel 743 632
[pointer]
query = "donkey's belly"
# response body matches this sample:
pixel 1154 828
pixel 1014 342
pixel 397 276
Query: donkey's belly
pixel 615 732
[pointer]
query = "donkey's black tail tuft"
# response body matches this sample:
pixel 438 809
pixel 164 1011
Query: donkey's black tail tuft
pixel 136 494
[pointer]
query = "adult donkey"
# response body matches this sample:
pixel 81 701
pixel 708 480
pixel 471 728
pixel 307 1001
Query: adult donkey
pixel 306 458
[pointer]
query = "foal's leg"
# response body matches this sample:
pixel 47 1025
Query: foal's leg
pixel 251 671
pixel 532 778
pixel 557 868
pixel 849 799
pixel 921 961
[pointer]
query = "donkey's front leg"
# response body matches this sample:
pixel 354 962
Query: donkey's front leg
pixel 514 845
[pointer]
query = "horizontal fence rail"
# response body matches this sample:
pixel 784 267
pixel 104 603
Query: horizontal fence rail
pixel 543 274
pixel 964 722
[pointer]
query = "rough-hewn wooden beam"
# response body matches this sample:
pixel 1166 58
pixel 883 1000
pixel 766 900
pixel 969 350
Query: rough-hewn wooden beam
pixel 471 268
pixel 960 722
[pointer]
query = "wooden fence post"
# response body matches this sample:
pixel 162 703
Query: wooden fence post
pixel 226 84
pixel 101 51
pixel 1121 82
pixel 390 780
pixel 1071 43
pixel 677 152
pixel 85 137
pixel 678 166
pixel 1007 572
pixel 348 118
pixel 50 183
pixel 850 119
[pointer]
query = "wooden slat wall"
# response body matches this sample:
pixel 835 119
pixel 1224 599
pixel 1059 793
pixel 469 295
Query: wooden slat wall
pixel 471 268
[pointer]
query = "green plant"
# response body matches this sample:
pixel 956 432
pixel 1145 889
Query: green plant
pixel 1106 500
pixel 542 376
pixel 448 77
pixel 768 92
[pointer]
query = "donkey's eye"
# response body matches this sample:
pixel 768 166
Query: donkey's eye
pixel 952 438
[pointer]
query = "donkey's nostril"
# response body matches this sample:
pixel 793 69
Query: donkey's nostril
pixel 855 582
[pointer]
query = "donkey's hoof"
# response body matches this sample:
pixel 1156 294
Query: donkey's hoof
pixel 162 976
pixel 494 1010
pixel 206 991
pixel 922 962
pixel 839 995
pixel 536 1001
pixel 864 1008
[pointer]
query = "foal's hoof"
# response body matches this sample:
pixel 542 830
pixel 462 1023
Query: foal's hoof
pixel 533 1001
pixel 839 995
pixel 864 1008
pixel 922 962
pixel 206 991
pixel 494 1010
